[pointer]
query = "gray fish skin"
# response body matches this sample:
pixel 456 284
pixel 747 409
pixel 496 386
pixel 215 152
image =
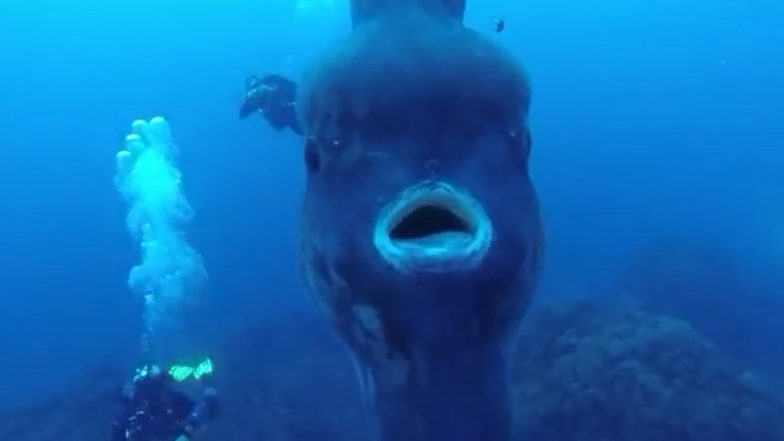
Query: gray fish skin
pixel 413 111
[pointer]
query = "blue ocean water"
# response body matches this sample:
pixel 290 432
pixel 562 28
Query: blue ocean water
pixel 649 119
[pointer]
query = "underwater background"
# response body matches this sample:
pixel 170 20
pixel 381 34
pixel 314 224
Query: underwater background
pixel 658 158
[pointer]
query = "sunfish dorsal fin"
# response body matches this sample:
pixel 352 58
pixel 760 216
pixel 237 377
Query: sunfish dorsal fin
pixel 365 10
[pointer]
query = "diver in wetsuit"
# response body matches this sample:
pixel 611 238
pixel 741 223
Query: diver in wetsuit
pixel 275 98
pixel 171 405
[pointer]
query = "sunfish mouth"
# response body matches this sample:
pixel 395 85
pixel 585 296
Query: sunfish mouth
pixel 433 227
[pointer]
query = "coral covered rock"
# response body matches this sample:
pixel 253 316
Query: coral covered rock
pixel 588 373
pixel 701 283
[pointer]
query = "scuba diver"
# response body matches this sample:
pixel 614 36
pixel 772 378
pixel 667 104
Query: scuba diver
pixel 275 98
pixel 172 405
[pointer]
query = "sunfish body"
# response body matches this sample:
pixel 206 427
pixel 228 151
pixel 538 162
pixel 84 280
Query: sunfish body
pixel 421 234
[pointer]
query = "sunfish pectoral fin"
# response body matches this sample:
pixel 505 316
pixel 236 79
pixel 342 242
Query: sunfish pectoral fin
pixel 367 391
pixel 367 387
pixel 365 10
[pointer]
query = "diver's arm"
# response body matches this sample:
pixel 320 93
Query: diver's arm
pixel 203 411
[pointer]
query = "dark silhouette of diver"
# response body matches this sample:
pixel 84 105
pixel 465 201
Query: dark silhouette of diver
pixel 172 405
pixel 275 98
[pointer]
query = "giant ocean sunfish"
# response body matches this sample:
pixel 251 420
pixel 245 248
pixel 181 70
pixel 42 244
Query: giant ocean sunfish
pixel 421 234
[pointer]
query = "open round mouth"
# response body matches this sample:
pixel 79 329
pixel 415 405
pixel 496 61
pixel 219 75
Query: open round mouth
pixel 429 221
pixel 433 227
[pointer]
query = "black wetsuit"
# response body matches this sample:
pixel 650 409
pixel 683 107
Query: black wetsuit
pixel 275 98
pixel 154 409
